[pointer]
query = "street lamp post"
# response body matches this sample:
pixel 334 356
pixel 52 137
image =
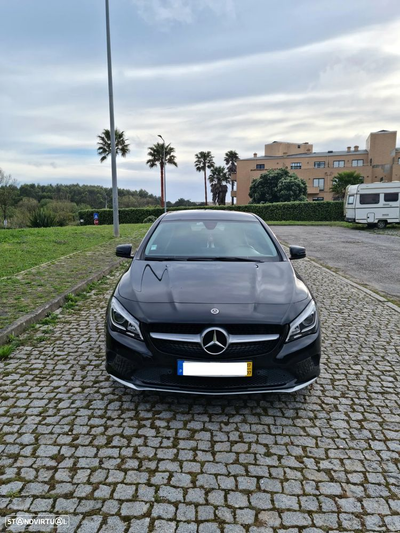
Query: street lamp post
pixel 165 175
pixel 112 128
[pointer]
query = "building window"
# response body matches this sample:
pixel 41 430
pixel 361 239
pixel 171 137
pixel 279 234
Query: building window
pixel 295 166
pixel 398 160
pixel 260 166
pixel 319 164
pixel 391 197
pixel 338 163
pixel 357 163
pixel 368 199
pixel 320 183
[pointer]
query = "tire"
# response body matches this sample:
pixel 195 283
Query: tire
pixel 381 224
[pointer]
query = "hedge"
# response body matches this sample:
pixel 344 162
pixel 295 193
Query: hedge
pixel 307 211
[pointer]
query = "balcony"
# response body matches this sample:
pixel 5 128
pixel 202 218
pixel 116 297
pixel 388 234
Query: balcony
pixel 313 190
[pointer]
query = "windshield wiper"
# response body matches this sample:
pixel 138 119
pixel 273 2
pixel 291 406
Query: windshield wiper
pixel 225 258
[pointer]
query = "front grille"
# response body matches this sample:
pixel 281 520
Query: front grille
pixel 265 378
pixel 195 350
pixel 188 349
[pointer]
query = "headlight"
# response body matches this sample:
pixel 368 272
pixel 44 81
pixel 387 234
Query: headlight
pixel 305 323
pixel 124 321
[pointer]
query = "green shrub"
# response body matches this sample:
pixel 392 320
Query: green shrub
pixel 150 219
pixel 302 211
pixel 42 219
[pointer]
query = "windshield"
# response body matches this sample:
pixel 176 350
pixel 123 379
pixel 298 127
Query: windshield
pixel 211 240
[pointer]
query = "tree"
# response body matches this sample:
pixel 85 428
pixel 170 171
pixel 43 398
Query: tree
pixel 8 194
pixel 204 161
pixel 156 157
pixel 230 159
pixel 292 189
pixel 104 144
pixel 343 179
pixel 265 188
pixel 219 178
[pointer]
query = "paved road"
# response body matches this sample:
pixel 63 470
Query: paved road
pixel 325 459
pixel 369 258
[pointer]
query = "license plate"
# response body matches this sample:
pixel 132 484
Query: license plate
pixel 215 369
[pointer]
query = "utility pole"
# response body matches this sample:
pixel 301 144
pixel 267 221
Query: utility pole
pixel 112 128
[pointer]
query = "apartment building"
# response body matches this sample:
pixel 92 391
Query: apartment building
pixel 379 161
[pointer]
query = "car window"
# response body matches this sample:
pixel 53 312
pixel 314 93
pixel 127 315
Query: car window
pixel 211 238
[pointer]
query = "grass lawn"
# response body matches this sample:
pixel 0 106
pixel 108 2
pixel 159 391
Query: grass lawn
pixel 25 248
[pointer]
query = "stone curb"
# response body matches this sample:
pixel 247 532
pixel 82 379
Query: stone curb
pixel 21 324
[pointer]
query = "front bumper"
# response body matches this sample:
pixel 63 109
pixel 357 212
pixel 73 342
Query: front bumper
pixel 131 363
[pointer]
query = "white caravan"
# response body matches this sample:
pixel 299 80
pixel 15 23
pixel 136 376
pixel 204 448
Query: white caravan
pixel 375 204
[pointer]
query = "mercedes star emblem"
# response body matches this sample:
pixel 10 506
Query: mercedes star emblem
pixel 214 340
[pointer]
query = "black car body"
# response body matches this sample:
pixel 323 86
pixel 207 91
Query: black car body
pixel 212 305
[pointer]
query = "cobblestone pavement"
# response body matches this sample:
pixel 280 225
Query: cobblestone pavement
pixel 324 459
pixel 26 291
pixel 367 257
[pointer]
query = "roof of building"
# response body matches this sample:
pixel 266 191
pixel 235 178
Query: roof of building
pixel 311 154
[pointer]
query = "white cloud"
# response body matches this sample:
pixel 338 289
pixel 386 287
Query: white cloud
pixel 183 11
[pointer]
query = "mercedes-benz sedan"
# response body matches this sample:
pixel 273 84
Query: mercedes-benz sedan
pixel 212 305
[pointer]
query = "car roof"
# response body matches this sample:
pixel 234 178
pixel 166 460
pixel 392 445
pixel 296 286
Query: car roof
pixel 208 214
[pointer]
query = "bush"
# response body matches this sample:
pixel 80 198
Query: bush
pixel 64 212
pixel 42 219
pixel 150 219
pixel 301 211
pixel 23 212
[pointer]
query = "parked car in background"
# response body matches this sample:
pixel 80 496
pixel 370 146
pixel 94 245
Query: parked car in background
pixel 375 204
pixel 211 304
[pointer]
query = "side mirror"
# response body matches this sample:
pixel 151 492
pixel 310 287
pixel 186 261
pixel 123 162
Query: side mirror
pixel 124 250
pixel 297 252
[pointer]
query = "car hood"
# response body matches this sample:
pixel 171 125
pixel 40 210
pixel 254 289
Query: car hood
pixel 242 291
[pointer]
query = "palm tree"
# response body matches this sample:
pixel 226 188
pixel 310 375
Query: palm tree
pixel 219 178
pixel 230 159
pixel 341 181
pixel 156 157
pixel 104 148
pixel 204 161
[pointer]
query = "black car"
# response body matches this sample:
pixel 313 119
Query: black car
pixel 212 305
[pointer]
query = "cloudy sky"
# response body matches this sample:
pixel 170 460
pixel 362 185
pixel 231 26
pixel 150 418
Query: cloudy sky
pixel 206 74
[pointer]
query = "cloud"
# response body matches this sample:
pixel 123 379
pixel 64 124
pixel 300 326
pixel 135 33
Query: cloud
pixel 182 11
pixel 330 92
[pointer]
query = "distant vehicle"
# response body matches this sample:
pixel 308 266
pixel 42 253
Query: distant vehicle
pixel 374 204
pixel 212 305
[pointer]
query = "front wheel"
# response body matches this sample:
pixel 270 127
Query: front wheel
pixel 381 224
